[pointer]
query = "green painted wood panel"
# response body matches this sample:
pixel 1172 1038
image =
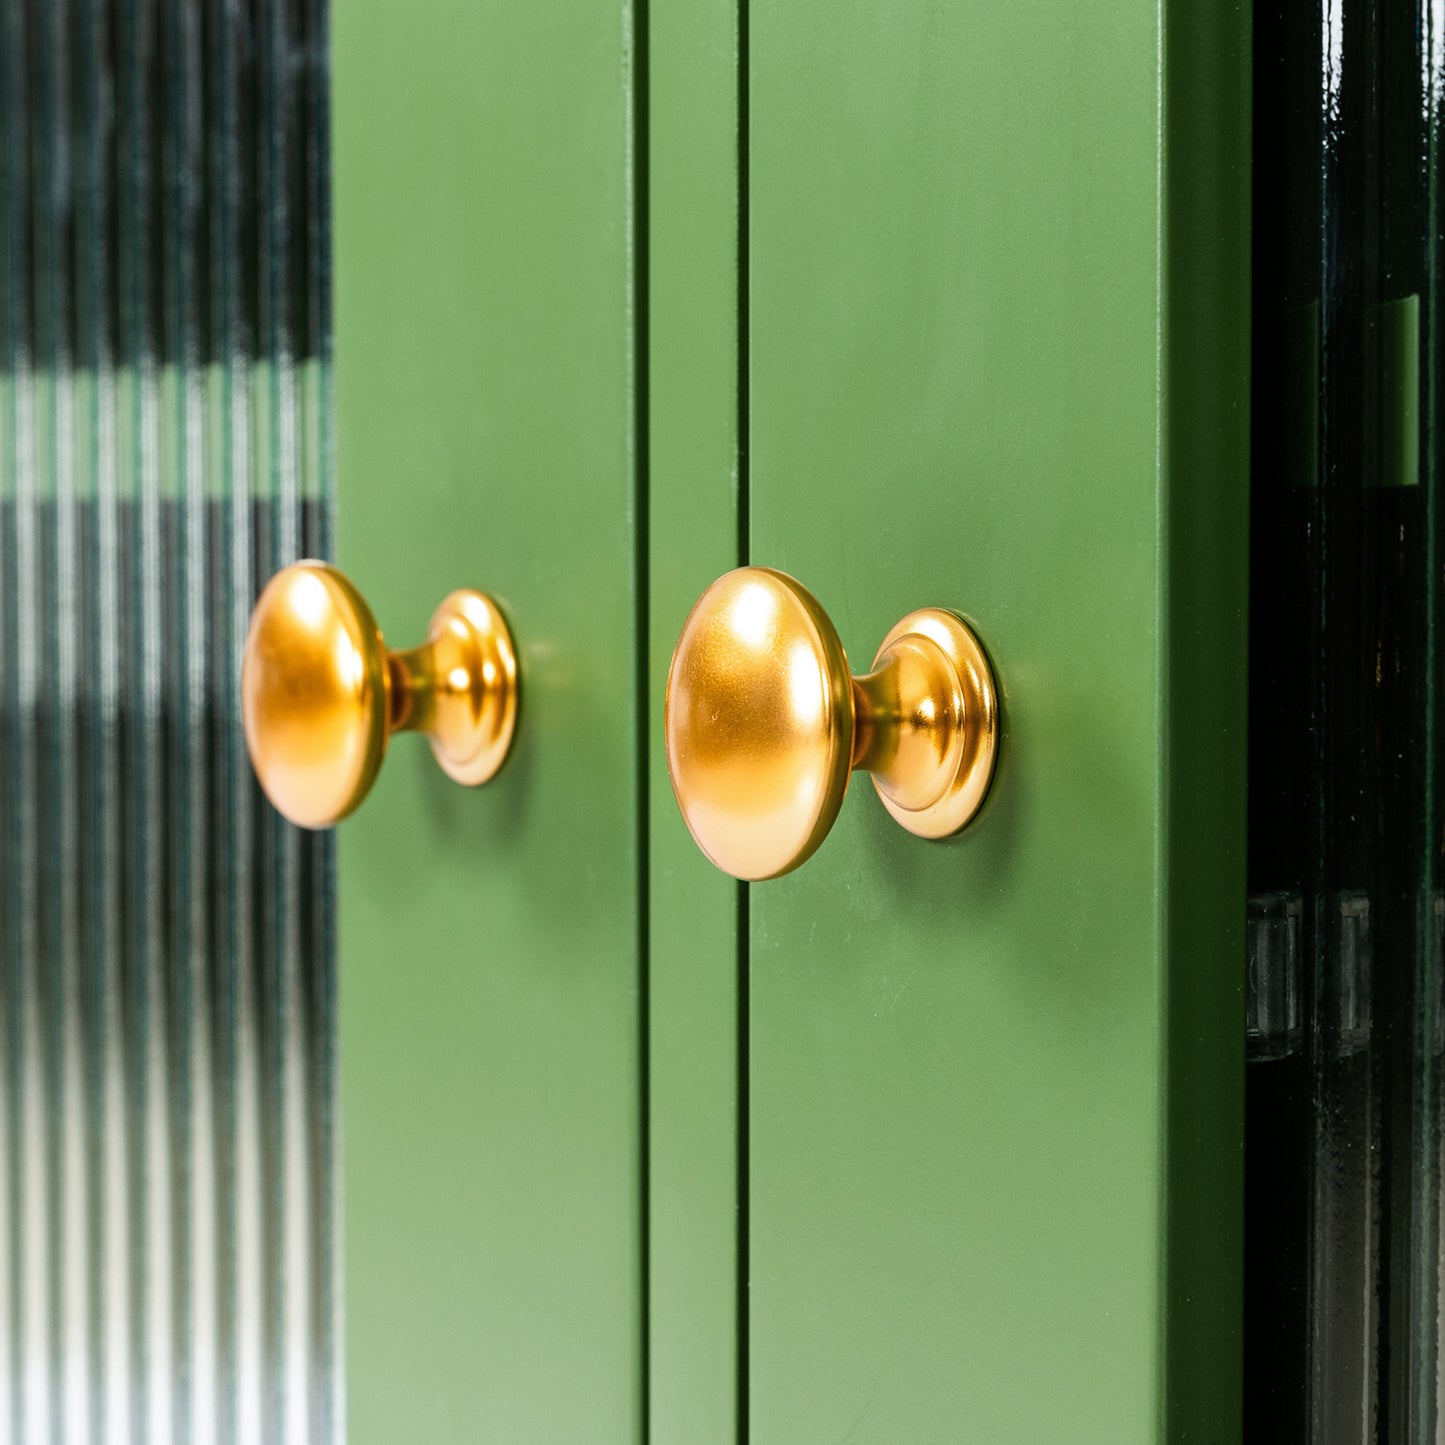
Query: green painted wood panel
pixel 998 300
pixel 489 939
pixel 695 465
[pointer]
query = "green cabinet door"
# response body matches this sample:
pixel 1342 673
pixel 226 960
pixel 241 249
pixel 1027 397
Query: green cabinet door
pixel 489 939
pixel 997 321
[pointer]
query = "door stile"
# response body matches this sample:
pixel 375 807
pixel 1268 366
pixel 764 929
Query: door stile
pixel 696 516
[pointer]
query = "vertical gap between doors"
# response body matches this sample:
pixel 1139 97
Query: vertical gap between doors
pixel 641 312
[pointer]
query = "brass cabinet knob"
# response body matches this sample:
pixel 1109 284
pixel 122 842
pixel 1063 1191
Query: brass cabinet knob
pixel 321 695
pixel 764 723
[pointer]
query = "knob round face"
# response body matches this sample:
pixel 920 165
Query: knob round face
pixel 759 723
pixel 314 694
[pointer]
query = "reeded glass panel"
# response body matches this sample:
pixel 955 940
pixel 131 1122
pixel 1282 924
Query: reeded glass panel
pixel 1343 1180
pixel 166 957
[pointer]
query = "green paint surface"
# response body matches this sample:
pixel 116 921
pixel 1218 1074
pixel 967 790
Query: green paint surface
pixel 998 294
pixel 996 1083
pixel 489 938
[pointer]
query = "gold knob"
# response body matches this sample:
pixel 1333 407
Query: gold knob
pixel 321 695
pixel 765 723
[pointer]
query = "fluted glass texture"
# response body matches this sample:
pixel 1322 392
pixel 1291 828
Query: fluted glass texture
pixel 166 955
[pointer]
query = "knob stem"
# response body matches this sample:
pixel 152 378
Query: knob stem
pixel 908 720
pixel 411 688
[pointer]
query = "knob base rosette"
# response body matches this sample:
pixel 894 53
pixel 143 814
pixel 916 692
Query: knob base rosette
pixel 460 687
pixel 935 757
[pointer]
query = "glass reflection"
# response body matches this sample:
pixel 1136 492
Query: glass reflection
pixel 1343 1242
